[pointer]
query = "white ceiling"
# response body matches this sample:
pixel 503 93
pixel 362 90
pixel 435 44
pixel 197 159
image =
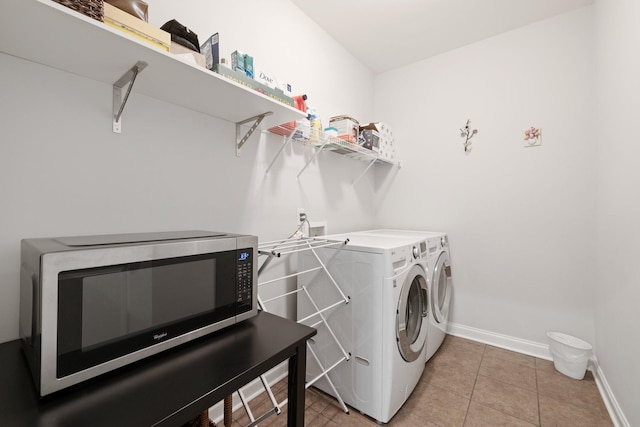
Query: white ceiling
pixel 386 34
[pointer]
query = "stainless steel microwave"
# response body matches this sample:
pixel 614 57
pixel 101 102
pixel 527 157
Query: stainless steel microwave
pixel 92 304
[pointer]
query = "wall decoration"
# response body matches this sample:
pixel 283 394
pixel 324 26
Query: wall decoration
pixel 467 134
pixel 533 137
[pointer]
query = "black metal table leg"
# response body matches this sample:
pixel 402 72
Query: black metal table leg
pixel 296 389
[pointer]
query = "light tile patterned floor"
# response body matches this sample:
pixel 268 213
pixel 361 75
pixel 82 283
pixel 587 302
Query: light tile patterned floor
pixel 468 384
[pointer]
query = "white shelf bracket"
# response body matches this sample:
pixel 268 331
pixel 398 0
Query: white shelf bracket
pixel 285 143
pixel 364 171
pixel 241 140
pixel 118 103
pixel 324 143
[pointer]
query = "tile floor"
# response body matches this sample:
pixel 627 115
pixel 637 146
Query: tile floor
pixel 468 384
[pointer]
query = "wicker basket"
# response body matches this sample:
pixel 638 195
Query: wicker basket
pixel 92 8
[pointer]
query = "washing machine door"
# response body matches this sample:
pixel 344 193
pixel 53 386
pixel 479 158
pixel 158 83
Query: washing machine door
pixel 411 315
pixel 441 288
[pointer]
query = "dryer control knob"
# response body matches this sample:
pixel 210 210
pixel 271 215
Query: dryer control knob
pixel 415 252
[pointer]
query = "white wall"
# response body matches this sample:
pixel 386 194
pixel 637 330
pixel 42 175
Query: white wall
pixel 284 42
pixel 618 251
pixel 63 172
pixel 521 220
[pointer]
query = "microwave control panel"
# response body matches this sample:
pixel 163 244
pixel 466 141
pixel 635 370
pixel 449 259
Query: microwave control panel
pixel 245 276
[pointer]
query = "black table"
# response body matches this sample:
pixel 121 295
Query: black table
pixel 168 389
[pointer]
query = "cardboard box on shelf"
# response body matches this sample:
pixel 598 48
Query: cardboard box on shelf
pixel 387 142
pixel 136 27
pixel 285 87
pixel 347 127
pixel 265 78
pixel 369 137
pixel 248 66
pixel 178 49
pixel 303 130
pixel 211 51
pixel 237 61
pixel 241 78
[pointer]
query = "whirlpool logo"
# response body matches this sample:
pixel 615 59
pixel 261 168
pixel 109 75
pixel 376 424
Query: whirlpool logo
pixel 158 337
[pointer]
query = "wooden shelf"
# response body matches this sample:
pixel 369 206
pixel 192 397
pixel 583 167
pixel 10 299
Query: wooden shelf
pixel 47 33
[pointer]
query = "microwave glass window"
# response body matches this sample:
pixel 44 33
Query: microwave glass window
pixel 121 303
pixel 106 312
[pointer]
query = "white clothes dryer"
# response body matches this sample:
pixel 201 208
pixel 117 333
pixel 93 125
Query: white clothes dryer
pixel 440 290
pixel 383 327
pixel 439 282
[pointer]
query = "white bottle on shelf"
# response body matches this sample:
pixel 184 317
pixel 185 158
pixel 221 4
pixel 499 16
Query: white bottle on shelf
pixel 316 126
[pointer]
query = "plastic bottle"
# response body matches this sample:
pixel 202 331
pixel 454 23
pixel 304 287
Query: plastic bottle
pixel 302 126
pixel 300 102
pixel 316 126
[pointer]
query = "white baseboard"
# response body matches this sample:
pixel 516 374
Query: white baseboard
pixel 507 342
pixel 615 412
pixel 541 351
pixel 250 391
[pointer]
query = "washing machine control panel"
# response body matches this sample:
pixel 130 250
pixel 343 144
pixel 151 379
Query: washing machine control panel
pixel 415 252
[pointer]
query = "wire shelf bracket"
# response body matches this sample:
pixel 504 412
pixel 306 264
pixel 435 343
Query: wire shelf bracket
pixel 286 142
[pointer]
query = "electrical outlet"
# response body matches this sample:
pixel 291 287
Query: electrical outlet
pixel 302 215
pixel 318 228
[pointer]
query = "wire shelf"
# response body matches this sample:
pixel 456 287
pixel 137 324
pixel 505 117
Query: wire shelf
pixel 322 141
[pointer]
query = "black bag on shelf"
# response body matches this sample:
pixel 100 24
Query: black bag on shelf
pixel 182 35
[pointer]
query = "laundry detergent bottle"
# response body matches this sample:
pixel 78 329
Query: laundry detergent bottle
pixel 300 102
pixel 302 127
pixel 316 126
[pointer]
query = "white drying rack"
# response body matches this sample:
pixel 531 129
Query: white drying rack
pixel 277 249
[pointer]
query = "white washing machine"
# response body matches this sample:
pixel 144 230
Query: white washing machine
pixel 383 327
pixel 439 282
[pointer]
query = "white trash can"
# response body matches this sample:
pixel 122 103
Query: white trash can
pixel 570 354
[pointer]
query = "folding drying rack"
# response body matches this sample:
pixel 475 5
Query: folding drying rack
pixel 278 249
